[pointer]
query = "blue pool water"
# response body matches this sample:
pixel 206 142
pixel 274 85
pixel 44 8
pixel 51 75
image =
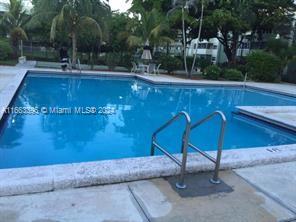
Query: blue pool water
pixel 140 108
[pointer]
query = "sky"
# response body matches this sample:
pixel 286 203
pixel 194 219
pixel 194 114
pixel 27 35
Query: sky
pixel 120 5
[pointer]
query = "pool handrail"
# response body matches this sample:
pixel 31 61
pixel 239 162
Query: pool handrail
pixel 180 184
pixel 79 65
pixel 70 64
pixel 245 80
pixel 215 179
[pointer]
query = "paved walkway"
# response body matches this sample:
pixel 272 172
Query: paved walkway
pixel 277 87
pixel 4 79
pixel 6 74
pixel 158 200
pixel 277 181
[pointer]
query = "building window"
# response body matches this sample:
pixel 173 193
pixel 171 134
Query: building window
pixel 244 45
pixel 210 45
pixel 202 45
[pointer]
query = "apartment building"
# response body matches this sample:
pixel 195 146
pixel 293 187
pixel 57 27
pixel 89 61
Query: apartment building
pixel 210 49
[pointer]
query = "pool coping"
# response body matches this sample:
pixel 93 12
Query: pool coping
pixel 267 114
pixel 19 181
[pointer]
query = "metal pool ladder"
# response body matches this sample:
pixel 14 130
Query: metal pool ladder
pixel 185 144
pixel 79 66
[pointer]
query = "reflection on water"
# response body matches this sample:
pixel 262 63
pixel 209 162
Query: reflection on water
pixel 15 125
pixel 28 140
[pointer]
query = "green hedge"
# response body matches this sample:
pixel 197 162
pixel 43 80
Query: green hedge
pixel 5 50
pixel 113 59
pixel 170 63
pixel 212 72
pixel 203 63
pixel 263 67
pixel 233 75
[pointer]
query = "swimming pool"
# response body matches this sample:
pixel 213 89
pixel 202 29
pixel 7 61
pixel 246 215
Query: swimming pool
pixel 135 110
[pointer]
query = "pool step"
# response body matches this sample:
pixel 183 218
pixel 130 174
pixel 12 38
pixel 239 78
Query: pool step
pixel 260 121
pixel 283 116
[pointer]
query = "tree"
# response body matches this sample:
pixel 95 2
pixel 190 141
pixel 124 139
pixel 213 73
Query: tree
pixel 147 28
pixel 38 28
pixel 72 16
pixel 272 16
pixel 162 6
pixel 14 20
pixel 184 5
pixel 117 25
pixel 227 21
pixel 282 50
pixel 203 2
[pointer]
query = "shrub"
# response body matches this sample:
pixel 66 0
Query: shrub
pixel 203 63
pixel 239 65
pixel 278 47
pixel 5 50
pixel 112 59
pixel 212 72
pixel 170 63
pixel 290 75
pixel 263 66
pixel 125 60
pixel 189 61
pixel 233 75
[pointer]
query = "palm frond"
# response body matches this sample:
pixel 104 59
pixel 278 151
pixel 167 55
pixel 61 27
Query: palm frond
pixel 90 22
pixel 133 40
pixel 165 39
pixel 8 19
pixel 38 19
pixel 53 29
pixel 159 29
pixel 123 36
pixel 18 33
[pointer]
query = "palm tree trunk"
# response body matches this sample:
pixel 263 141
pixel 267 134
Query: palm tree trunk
pixel 74 49
pixel 198 38
pixel 184 42
pixel 22 49
pixel 167 48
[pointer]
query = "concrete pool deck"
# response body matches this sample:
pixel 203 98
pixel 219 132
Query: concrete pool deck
pixel 157 200
pixel 278 181
pixel 282 88
pixel 49 178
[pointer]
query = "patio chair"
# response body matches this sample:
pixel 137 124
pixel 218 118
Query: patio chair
pixel 135 68
pixel 142 68
pixel 156 70
pixel 151 68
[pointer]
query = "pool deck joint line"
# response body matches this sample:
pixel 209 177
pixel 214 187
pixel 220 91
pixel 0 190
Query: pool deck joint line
pixel 55 177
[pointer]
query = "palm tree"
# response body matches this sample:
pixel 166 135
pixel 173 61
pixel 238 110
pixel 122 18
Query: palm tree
pixel 148 28
pixel 199 35
pixel 74 16
pixel 14 19
pixel 71 16
pixel 183 5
